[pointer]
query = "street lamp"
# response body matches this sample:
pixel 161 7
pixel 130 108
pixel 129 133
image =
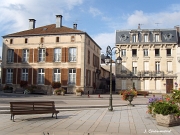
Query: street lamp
pixel 108 59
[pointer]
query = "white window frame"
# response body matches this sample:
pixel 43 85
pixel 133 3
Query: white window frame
pixel 41 76
pixel 72 54
pixel 134 68
pixel 72 76
pixel 24 74
pixel 123 66
pixel 123 52
pixel 145 52
pixel 157 66
pixel 146 85
pixel 134 38
pixel 10 55
pixel 25 55
pixel 167 52
pixel 57 54
pixel 124 84
pixel 157 38
pixel 146 38
pixel 158 85
pixel 57 75
pixel 146 66
pixel 9 75
pixel 169 66
pixel 42 54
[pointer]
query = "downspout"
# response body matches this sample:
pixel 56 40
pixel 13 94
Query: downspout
pixel 84 62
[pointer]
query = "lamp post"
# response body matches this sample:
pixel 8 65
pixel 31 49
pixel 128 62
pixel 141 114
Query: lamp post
pixel 108 59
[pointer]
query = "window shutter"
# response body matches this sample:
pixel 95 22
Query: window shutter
pixel 30 55
pixel 67 55
pixel 49 55
pixel 30 76
pixel 86 78
pixel 4 76
pixel 35 55
pixel 15 55
pixel 48 76
pixel 34 76
pixel 89 77
pixel 78 77
pixel 64 76
pixel 63 55
pixel 19 75
pixel 20 56
pixel 14 75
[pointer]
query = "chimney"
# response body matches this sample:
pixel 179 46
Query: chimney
pixel 139 26
pixel 75 26
pixel 58 21
pixel 32 23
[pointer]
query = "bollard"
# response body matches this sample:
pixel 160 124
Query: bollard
pixel 99 96
pixel 88 94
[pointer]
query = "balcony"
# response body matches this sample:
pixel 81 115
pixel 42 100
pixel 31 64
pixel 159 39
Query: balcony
pixel 146 74
pixel 158 74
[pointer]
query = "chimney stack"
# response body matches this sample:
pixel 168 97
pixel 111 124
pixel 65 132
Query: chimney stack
pixel 32 23
pixel 75 26
pixel 58 21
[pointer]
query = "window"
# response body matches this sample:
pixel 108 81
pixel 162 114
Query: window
pixel 169 66
pixel 57 39
pixel 42 40
pixel 88 78
pixel 57 75
pixel 72 54
pixel 157 68
pixel 146 66
pixel 123 69
pixel 88 42
pixel 26 40
pixel 146 38
pixel 134 68
pixel 10 55
pixel 124 85
pixel 24 76
pixel 9 76
pixel 134 52
pixel 11 41
pixel 156 37
pixel 41 54
pixel 40 76
pixel 145 52
pixel 157 53
pixel 25 55
pixel 134 38
pixel 57 54
pixel 72 76
pixel 123 52
pixel 168 52
pixel 72 38
pixel 146 85
pixel 88 57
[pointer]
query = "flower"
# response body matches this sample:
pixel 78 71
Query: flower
pixel 152 102
pixel 128 92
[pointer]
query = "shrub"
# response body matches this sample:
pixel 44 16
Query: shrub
pixel 23 84
pixel 79 90
pixel 56 85
pixel 6 87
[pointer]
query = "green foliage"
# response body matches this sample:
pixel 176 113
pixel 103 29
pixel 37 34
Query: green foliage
pixel 6 87
pixel 175 97
pixel 56 85
pixel 58 91
pixel 79 90
pixel 166 108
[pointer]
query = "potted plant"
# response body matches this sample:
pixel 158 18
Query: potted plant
pixel 128 95
pixel 7 89
pixel 79 91
pixel 62 91
pixel 55 85
pixel 57 91
pixel 167 114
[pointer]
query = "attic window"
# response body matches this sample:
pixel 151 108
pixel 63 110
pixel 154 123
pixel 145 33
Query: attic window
pixel 57 39
pixel 72 38
pixel 42 40
pixel 44 29
pixel 26 40
pixel 11 41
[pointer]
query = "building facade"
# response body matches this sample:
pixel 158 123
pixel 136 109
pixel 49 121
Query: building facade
pixel 50 53
pixel 149 59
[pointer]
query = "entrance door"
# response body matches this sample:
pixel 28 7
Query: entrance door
pixel 169 85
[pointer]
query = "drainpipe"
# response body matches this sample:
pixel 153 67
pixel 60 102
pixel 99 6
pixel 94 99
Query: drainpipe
pixel 84 62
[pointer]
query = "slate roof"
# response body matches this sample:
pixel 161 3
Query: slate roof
pixel 45 30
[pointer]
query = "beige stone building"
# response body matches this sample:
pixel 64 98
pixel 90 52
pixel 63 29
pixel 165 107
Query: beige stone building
pixel 50 53
pixel 149 59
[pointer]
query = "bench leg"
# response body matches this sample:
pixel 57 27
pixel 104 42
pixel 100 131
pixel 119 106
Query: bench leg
pixel 56 115
pixel 12 116
pixel 52 115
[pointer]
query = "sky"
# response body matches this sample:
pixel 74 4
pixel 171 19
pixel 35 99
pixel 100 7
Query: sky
pixel 99 18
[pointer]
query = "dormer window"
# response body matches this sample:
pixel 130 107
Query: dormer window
pixel 156 37
pixel 72 38
pixel 145 37
pixel 134 38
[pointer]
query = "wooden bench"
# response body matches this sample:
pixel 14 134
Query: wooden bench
pixel 34 107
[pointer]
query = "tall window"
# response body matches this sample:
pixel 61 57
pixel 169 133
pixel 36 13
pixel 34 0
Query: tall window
pixel 146 66
pixel 146 38
pixel 72 38
pixel 42 40
pixel 57 54
pixel 123 52
pixel 145 52
pixel 169 66
pixel 57 75
pixel 11 41
pixel 88 57
pixel 134 68
pixel 10 55
pixel 123 69
pixel 88 78
pixel 157 68
pixel 57 39
pixel 124 85
pixel 24 76
pixel 156 37
pixel 25 55
pixel 40 76
pixel 26 40
pixel 9 75
pixel 72 54
pixel 134 52
pixel 157 52
pixel 134 38
pixel 168 52
pixel 72 76
pixel 41 54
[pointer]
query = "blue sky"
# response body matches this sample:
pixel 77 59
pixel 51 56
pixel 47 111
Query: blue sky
pixel 99 18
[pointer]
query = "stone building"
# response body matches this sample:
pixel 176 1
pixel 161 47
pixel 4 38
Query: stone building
pixel 149 59
pixel 50 53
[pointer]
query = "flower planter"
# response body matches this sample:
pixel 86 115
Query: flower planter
pixel 78 94
pixel 62 93
pixel 130 99
pixel 167 120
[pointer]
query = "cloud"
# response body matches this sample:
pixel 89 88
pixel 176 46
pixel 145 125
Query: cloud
pixel 94 11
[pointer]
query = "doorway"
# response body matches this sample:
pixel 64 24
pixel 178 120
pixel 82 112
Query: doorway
pixel 169 85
